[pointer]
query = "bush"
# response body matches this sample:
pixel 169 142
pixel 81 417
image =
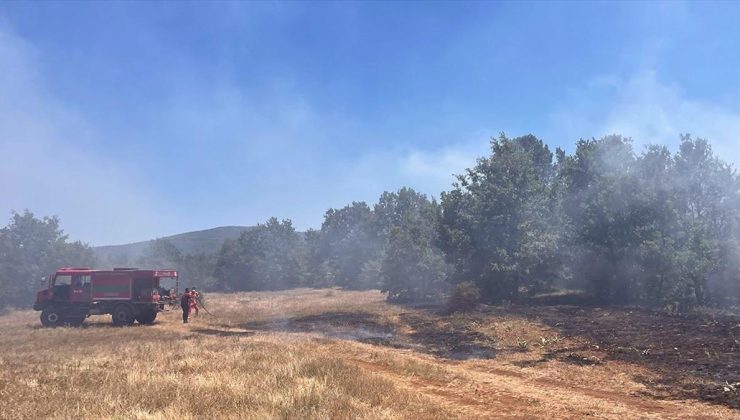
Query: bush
pixel 465 297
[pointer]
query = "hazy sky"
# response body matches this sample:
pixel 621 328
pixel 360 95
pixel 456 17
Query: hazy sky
pixel 136 120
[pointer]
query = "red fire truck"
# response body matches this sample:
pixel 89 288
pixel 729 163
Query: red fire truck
pixel 128 294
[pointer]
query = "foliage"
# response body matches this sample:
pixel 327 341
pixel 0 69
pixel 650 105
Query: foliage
pixel 193 269
pixel 495 226
pixel 655 228
pixel 264 258
pixel 314 266
pixel 465 297
pixel 347 242
pixel 413 268
pixel 31 248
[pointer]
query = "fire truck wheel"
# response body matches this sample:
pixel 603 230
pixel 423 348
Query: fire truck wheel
pixel 123 315
pixel 146 317
pixel 75 322
pixel 51 317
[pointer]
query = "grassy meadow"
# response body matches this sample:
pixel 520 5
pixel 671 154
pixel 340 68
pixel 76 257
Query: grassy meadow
pixel 328 354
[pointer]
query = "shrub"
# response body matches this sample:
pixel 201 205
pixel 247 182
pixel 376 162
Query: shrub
pixel 522 345
pixel 465 297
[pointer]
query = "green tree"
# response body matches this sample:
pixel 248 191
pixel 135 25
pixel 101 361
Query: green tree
pixel 267 257
pixel 193 269
pixel 660 253
pixel 708 197
pixel 31 248
pixel 315 272
pixel 496 222
pixel 603 212
pixel 412 267
pixel 161 253
pixel 348 242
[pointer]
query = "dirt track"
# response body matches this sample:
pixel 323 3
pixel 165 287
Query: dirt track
pixel 485 387
pixel 336 354
pixel 602 362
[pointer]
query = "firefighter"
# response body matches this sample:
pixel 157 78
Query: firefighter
pixel 194 301
pixel 185 304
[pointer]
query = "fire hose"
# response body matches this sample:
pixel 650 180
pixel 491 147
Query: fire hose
pixel 198 301
pixel 206 309
pixel 173 304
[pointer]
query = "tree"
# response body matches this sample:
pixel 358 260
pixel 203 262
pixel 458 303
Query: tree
pixel 193 269
pixel 603 209
pixel 413 270
pixel 161 253
pixel 31 248
pixel 708 204
pixel 495 228
pixel 660 253
pixel 656 229
pixel 315 272
pixel 348 241
pixel 264 258
pixel 412 267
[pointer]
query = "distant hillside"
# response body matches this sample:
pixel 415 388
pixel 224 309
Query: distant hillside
pixel 202 241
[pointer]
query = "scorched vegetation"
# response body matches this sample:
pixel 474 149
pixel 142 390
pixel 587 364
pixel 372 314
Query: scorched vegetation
pixel 339 354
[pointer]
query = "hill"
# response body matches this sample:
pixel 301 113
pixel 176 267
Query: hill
pixel 201 241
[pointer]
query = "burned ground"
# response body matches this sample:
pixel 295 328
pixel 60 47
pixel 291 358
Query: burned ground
pixel 318 354
pixel 685 357
pixel 693 357
pixel 418 331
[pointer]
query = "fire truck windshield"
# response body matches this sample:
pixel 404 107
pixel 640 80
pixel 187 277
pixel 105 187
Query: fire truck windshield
pixel 168 283
pixel 63 280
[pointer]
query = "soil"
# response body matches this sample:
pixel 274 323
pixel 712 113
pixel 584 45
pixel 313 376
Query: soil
pixel 684 358
pixel 693 357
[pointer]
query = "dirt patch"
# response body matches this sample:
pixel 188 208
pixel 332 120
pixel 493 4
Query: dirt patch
pixel 481 403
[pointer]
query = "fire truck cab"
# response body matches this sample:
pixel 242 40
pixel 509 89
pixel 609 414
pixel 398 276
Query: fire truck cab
pixel 128 294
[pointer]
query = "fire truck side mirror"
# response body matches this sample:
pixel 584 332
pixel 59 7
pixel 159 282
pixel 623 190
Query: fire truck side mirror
pixel 43 281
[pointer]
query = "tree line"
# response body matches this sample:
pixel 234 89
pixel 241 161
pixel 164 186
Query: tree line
pixel 31 248
pixel 654 228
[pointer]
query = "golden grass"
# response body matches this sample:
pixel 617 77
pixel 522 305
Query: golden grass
pixel 316 354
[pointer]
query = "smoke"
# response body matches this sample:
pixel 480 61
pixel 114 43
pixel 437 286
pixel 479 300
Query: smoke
pixel 660 224
pixel 205 153
pixel 649 110
pixel 430 171
pixel 50 164
pixel 645 108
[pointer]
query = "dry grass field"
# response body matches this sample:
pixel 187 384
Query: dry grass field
pixel 336 354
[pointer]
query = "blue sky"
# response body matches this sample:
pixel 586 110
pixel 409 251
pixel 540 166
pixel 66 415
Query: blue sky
pixel 137 120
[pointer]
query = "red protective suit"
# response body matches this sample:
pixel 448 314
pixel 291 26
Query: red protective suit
pixel 194 302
